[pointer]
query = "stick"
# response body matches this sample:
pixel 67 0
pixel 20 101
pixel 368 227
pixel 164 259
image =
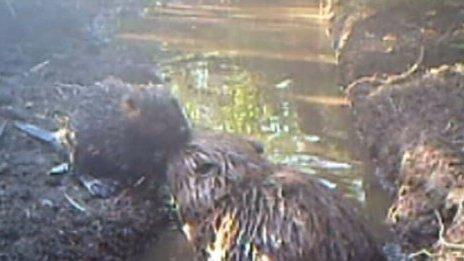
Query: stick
pixel 421 252
pixel 10 8
pixel 2 128
pixel 74 203
pixel 396 78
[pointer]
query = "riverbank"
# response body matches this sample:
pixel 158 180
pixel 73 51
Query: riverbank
pixel 407 98
pixel 46 73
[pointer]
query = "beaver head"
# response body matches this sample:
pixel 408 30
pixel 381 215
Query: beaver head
pixel 131 135
pixel 207 168
pixel 154 119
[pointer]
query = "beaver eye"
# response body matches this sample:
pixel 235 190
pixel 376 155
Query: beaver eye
pixel 206 169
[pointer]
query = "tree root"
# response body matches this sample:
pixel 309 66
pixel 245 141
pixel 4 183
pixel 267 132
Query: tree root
pixel 441 235
pixel 441 242
pixel 376 80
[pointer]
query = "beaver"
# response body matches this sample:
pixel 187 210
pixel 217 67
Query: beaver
pixel 129 135
pixel 200 158
pixel 236 205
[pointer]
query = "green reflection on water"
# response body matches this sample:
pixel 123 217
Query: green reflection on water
pixel 237 101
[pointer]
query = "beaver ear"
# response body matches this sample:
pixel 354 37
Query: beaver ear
pixel 130 107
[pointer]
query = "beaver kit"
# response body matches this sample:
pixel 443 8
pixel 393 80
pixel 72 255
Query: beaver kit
pixel 235 205
pixel 414 132
pixel 131 134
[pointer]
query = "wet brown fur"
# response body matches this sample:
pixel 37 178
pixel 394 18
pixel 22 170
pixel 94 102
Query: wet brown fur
pixel 131 135
pixel 238 206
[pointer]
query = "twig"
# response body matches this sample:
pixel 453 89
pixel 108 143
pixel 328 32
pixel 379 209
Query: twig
pixel 392 79
pixel 441 235
pixel 36 68
pixel 2 128
pixel 74 203
pixel 422 252
pixel 397 78
pixel 120 196
pixel 139 181
pixel 441 241
pixel 10 8
pixel 44 135
pixel 392 104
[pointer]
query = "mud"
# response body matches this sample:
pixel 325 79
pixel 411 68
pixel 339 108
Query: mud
pixel 388 41
pixel 407 108
pixel 55 60
pixel 413 133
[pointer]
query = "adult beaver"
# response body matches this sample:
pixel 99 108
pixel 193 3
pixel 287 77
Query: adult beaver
pixel 235 205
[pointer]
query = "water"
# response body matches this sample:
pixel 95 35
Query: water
pixel 266 72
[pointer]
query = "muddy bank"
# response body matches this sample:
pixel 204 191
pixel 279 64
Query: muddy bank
pixel 388 41
pixel 413 131
pixel 64 65
pixel 408 112
pixel 55 217
pixel 391 117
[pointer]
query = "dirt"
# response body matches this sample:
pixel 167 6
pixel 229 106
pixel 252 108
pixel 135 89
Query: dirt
pixel 413 133
pixel 388 41
pixel 391 117
pixel 51 65
pixel 408 115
